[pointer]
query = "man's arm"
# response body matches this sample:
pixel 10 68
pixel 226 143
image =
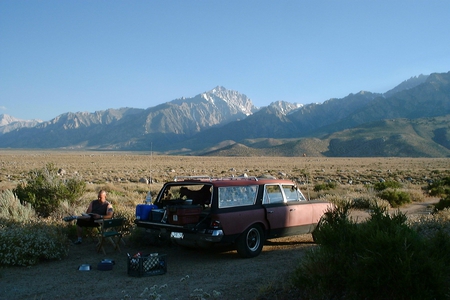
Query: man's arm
pixel 109 212
pixel 89 210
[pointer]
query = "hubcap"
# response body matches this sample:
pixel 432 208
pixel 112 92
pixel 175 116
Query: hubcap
pixel 253 239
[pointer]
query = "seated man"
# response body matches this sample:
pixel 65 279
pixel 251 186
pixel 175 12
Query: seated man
pixel 97 210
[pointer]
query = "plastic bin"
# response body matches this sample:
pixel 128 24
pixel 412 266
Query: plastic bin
pixel 143 211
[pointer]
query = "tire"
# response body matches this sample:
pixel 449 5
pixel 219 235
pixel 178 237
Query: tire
pixel 250 243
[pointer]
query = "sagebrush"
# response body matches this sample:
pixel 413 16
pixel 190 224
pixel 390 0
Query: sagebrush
pixel 44 189
pixel 381 258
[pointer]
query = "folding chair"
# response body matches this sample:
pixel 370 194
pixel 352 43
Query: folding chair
pixel 92 232
pixel 110 229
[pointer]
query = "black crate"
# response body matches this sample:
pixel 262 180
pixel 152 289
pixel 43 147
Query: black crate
pixel 147 265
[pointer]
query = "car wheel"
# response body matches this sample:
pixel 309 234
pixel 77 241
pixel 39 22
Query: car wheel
pixel 250 243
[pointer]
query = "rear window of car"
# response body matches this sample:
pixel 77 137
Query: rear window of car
pixel 292 193
pixel 274 194
pixel 232 196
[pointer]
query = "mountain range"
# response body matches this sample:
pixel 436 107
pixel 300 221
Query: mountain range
pixel 411 120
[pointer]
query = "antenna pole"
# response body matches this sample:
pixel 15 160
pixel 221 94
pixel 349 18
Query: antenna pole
pixel 151 160
pixel 307 187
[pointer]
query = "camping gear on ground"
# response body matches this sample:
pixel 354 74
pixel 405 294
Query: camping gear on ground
pixel 146 264
pixel 105 265
pixel 84 267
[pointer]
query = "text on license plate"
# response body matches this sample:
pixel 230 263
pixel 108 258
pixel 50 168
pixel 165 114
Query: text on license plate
pixel 176 235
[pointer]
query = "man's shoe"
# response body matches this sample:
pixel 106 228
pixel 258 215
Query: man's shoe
pixel 77 242
pixel 69 218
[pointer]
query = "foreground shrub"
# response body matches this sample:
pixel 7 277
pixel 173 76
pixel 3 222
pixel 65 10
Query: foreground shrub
pixel 44 189
pixel 27 244
pixel 382 258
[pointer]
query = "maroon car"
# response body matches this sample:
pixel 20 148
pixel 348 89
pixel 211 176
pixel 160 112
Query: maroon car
pixel 203 211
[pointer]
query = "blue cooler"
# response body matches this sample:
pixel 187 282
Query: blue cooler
pixel 143 211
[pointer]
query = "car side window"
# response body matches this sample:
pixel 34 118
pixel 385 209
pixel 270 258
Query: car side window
pixel 237 196
pixel 292 193
pixel 273 194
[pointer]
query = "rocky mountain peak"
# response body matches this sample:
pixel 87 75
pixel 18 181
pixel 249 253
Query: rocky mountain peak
pixel 7 119
pixel 407 84
pixel 285 107
pixel 233 99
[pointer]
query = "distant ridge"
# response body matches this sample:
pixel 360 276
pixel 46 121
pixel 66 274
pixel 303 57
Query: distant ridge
pixel 410 120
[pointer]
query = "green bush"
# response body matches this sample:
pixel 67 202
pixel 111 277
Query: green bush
pixel 442 204
pixel 380 186
pixel 128 215
pixel 334 219
pixel 369 201
pixel 324 186
pixel 44 189
pixel 394 197
pixel 439 188
pixel 27 244
pixel 382 258
pixel 25 239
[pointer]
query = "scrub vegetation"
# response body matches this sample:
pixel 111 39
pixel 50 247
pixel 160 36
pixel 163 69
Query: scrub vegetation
pixel 387 255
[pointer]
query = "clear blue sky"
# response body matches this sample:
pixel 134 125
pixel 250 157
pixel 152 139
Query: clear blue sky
pixel 70 56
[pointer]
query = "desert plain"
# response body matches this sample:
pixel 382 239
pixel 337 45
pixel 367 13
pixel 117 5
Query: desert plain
pixel 191 274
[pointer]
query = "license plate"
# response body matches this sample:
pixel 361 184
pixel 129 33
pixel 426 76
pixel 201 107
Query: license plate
pixel 177 235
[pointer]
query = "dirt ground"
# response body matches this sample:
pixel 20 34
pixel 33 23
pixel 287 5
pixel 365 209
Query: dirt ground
pixel 188 270
pixel 191 274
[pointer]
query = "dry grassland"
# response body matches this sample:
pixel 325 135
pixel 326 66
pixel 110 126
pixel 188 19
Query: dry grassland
pixel 129 167
pixel 122 171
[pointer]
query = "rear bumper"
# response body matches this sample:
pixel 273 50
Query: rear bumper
pixel 188 233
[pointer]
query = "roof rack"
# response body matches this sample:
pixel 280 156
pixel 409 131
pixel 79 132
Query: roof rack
pixel 208 178
pixel 200 177
pixel 238 178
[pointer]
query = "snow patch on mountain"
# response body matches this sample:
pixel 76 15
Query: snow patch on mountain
pixel 285 107
pixel 9 123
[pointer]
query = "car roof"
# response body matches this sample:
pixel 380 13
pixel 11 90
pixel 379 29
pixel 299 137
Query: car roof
pixel 228 181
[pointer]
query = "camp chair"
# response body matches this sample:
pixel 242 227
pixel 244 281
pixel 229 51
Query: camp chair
pixel 92 232
pixel 110 229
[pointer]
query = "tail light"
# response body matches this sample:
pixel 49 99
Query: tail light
pixel 215 224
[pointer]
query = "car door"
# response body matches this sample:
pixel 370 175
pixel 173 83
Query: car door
pixel 300 211
pixel 277 212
